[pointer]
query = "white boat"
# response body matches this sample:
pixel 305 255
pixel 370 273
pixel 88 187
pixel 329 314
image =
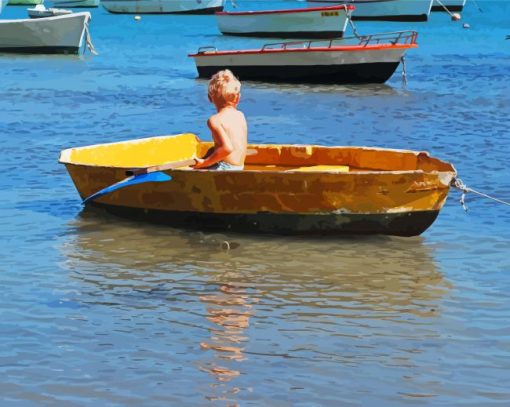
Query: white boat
pixel 76 3
pixel 49 35
pixel 451 5
pixel 40 11
pixel 318 22
pixel 365 59
pixel 386 10
pixel 163 6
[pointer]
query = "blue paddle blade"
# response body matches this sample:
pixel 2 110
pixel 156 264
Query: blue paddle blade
pixel 133 180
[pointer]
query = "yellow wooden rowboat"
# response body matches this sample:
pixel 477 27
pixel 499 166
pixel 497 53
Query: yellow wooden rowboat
pixel 283 189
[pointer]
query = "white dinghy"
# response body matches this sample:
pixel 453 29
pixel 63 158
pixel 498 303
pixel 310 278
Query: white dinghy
pixel 366 59
pixel 39 11
pixel 451 5
pixel 163 6
pixel 49 35
pixel 386 10
pixel 318 22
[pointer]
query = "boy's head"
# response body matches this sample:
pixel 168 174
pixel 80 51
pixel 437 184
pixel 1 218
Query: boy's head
pixel 224 89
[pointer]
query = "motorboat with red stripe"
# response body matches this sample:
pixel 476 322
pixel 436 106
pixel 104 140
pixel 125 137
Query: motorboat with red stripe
pixel 312 22
pixel 386 10
pixel 361 59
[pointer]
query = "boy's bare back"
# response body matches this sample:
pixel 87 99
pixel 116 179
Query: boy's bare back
pixel 228 126
pixel 232 123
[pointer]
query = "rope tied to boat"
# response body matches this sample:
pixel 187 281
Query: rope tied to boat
pixel 458 184
pixel 445 8
pixel 404 70
pixel 351 23
pixel 478 6
pixel 88 40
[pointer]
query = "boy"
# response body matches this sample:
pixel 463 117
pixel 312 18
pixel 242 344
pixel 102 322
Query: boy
pixel 228 127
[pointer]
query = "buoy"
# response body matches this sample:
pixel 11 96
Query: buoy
pixel 466 25
pixel 456 17
pixel 138 18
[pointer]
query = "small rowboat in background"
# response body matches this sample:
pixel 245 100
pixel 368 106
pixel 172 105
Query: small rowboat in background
pixel 50 35
pixel 163 6
pixel 369 59
pixel 290 189
pixel 451 5
pixel 386 10
pixel 319 22
pixel 40 11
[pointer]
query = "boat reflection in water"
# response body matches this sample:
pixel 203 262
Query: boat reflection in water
pixel 229 310
pixel 230 304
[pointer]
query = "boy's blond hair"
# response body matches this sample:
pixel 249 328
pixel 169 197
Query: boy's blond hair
pixel 224 88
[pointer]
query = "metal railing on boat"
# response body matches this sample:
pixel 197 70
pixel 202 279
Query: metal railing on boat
pixel 393 38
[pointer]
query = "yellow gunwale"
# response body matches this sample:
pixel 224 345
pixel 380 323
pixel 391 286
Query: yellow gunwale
pixel 66 157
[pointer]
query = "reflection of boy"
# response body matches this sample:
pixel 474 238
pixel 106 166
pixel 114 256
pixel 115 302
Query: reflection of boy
pixel 228 127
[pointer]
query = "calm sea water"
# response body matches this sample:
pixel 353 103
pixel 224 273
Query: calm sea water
pixel 106 312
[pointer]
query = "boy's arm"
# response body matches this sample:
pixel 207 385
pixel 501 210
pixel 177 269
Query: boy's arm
pixel 222 145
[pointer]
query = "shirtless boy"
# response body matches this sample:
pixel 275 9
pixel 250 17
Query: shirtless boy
pixel 228 127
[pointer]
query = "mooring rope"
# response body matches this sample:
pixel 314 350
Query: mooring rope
pixel 404 70
pixel 88 40
pixel 445 8
pixel 477 5
pixel 351 23
pixel 457 183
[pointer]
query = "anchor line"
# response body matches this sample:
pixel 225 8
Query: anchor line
pixel 351 23
pixel 404 70
pixel 88 40
pixel 458 184
pixel 445 8
pixel 478 6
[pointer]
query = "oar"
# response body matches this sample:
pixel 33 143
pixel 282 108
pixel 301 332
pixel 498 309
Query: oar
pixel 141 175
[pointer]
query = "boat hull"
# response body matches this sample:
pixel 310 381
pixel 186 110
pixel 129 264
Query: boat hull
pixel 395 224
pixel 451 5
pixel 163 6
pixel 366 65
pixel 325 74
pixel 386 10
pixel 52 35
pixel 274 194
pixel 326 22
pixel 24 2
pixel 76 4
